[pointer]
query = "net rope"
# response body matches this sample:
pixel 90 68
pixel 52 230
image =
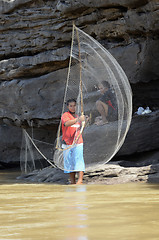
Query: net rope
pixel 58 146
pixel 90 66
pixel 96 65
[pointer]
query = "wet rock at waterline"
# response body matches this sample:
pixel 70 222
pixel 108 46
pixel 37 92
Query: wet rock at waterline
pixel 106 174
pixel 48 174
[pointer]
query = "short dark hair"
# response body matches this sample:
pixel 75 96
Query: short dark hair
pixel 70 100
pixel 105 84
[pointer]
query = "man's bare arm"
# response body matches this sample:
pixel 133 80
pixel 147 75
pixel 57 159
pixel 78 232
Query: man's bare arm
pixel 73 121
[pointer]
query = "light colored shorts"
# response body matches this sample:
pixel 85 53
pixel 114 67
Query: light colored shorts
pixel 73 158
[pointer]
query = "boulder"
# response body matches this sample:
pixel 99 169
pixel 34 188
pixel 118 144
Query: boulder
pixel 112 173
pixel 34 54
pixel 142 136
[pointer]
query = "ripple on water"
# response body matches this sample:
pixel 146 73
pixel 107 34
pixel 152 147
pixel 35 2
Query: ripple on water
pixel 46 211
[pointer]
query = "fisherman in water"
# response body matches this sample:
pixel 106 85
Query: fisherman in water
pixel 73 156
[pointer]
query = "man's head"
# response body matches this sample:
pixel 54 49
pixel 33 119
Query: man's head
pixel 71 104
pixel 103 86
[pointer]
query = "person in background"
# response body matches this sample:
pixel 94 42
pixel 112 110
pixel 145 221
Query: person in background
pixel 106 104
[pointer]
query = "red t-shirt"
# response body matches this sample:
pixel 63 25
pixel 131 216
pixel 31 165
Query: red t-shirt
pixel 69 134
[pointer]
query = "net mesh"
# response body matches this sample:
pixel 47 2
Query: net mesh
pixel 34 154
pixel 91 66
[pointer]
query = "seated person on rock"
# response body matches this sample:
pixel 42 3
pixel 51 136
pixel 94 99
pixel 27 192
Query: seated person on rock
pixel 106 104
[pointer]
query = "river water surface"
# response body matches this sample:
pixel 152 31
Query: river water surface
pixel 86 212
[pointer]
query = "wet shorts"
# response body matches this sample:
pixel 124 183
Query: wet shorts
pixel 73 158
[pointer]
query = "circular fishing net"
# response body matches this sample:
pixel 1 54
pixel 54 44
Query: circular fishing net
pixel 103 94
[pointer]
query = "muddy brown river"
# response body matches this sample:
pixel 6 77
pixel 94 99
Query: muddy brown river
pixel 86 212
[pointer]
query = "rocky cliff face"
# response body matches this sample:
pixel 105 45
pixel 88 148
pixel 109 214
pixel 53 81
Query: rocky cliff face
pixel 34 54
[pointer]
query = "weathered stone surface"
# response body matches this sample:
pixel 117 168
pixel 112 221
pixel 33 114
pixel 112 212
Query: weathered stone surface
pixel 143 134
pixel 105 174
pixel 38 98
pixel 11 142
pixel 35 44
pixel 30 66
pixel 35 40
pixel 69 6
pixel 46 175
pixel 140 159
pixel 10 145
pixel 151 90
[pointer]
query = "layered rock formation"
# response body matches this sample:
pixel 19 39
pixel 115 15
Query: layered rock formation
pixel 34 54
pixel 107 174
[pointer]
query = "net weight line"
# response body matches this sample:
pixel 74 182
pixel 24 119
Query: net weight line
pixel 48 160
pixel 27 136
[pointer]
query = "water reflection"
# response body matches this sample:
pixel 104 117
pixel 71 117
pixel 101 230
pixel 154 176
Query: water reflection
pixel 76 212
